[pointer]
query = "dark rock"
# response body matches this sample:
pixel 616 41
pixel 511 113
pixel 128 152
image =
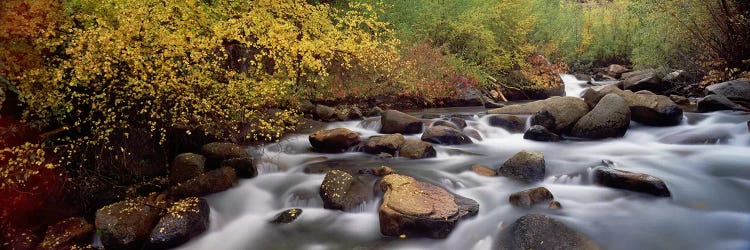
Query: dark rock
pixel 539 133
pixel 216 152
pixel 736 90
pixel 473 133
pixel 511 123
pixel 555 205
pixel 644 92
pixel 186 166
pixel 67 233
pixel 445 123
pixel 681 100
pixel 394 121
pixel 637 182
pixel 307 107
pixel 416 150
pixel 375 111
pixel 334 140
pixel 355 113
pixel 616 70
pixel 748 126
pixel 718 102
pixel 524 166
pixel 538 231
pixel 492 104
pixel 644 80
pixel 18 239
pixel 652 110
pixel 603 77
pixel 483 171
pixel 244 167
pixel 342 191
pixel 413 208
pixel 383 144
pixel 431 116
pixel 610 118
pixel 126 224
pixel 584 77
pixel 566 110
pixel 530 197
pixel 445 135
pixel 213 181
pixel 325 113
pixel 379 171
pixel 184 220
pixel 460 122
pixel 543 118
pixel 287 216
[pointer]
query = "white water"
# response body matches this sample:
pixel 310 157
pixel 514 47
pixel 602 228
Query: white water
pixel 705 162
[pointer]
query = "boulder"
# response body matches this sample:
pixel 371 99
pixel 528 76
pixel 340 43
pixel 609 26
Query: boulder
pixel 325 113
pixel 383 144
pixel 652 110
pixel 736 90
pixel 718 102
pixel 416 150
pixel 583 77
pixel 566 110
pixel 216 152
pixel 644 80
pixel 445 123
pixel 342 191
pixel 483 171
pixel 244 167
pixel 681 100
pixel 637 182
pixel 184 220
pixel 460 122
pixel 543 118
pixel 307 107
pixel 538 231
pixel 355 113
pixel 287 216
pixel 66 234
pixel 539 133
pixel 616 70
pixel 530 197
pixel 511 123
pixel 126 224
pixel 610 118
pixel 213 181
pixel 413 208
pixel 445 136
pixel 186 166
pixel 645 92
pixel 524 166
pixel 394 121
pixel 334 140
pixel 473 133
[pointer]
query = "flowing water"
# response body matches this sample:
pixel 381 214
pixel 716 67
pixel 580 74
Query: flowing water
pixel 705 162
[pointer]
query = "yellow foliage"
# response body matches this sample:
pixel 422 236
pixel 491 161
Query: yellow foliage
pixel 20 163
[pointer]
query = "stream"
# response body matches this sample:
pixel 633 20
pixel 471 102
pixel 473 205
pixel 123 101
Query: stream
pixel 705 163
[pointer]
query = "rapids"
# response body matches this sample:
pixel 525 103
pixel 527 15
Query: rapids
pixel 705 162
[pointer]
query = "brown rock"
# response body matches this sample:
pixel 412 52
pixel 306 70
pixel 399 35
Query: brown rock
pixel 530 197
pixel 186 166
pixel 216 152
pixel 637 182
pixel 610 118
pixel 537 231
pixel 379 171
pixel 184 220
pixel 566 110
pixel 67 233
pixel 384 144
pixel 126 224
pixel 342 191
pixel 555 205
pixel 394 121
pixel 484 171
pixel 524 166
pixel 334 140
pixel 213 181
pixel 445 135
pixel 511 123
pixel 416 150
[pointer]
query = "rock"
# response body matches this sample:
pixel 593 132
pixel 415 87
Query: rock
pixel 126 224
pixel 530 197
pixel 539 133
pixel 379 171
pixel 748 126
pixel 243 167
pixel 186 166
pixel 383 144
pixel 492 105
pixel 736 90
pixel 610 118
pixel 652 110
pixel 681 100
pixel 375 111
pixel 554 205
pixel 566 110
pixel 445 123
pixel 473 133
pixel 18 239
pixel 483 171
pixel 431 116
pixel 718 102
pixel 413 208
pixel 342 191
pixel 616 70
pixel 644 80
pixel 637 182
pixel 67 233
pixel 538 231
pixel 184 220
pixel 213 181
pixel 334 140
pixel 583 77
pixel 355 113
pixel 511 123
pixel 287 216
pixel 677 76
pixel 460 122
pixel 543 118
pixel 325 113
pixel 216 152
pixel 645 92
pixel 602 77
pixel 307 107
pixel 445 136
pixel 524 166
pixel 394 121
pixel 416 150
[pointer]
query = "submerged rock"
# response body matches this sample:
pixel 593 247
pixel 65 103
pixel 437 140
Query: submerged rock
pixel 637 182
pixel 66 234
pixel 445 135
pixel 413 208
pixel 333 140
pixel 287 216
pixel 511 123
pixel 610 118
pixel 484 171
pixel 383 144
pixel 184 220
pixel 524 166
pixel 416 150
pixel 213 181
pixel 538 231
pixel 126 224
pixel 540 133
pixel 394 121
pixel 342 191
pixel 530 197
pixel 566 110
pixel 716 103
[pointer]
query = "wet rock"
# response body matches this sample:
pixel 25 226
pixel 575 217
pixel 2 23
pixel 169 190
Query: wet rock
pixel 483 171
pixel 530 197
pixel 445 123
pixel 383 144
pixel 644 80
pixel 431 116
pixel 610 118
pixel 555 205
pixel 355 113
pixel 736 90
pixel 652 110
pixel 244 167
pixel 538 231
pixel 325 113
pixel 543 118
pixel 511 123
pixel 126 224
pixel 186 166
pixel 603 77
pixel 616 70
pixel 334 140
pixel 445 136
pixel 473 133
pixel 375 111
pixel 394 121
pixel 566 110
pixel 216 152
pixel 379 171
pixel 184 220
pixel 718 102
pixel 67 233
pixel 213 181
pixel 637 182
pixel 287 216
pixel 583 77
pixel 413 208
pixel 645 92
pixel 540 133
pixel 681 100
pixel 416 150
pixel 460 122
pixel 524 166
pixel 342 191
